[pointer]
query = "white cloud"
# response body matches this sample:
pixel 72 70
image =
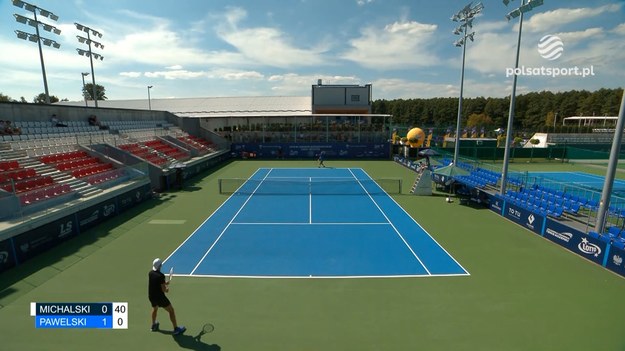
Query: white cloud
pixel 296 84
pixel 175 67
pixel 226 74
pixel 620 29
pixel 267 46
pixel 363 2
pixel 550 20
pixel 130 74
pixel 397 45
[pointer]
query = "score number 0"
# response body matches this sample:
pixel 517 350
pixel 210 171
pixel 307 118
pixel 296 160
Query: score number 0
pixel 120 315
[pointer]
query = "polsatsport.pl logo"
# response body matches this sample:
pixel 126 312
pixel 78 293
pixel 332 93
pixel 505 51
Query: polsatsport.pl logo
pixel 551 47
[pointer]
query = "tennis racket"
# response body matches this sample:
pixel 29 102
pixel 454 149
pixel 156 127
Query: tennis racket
pixel 171 274
pixel 207 328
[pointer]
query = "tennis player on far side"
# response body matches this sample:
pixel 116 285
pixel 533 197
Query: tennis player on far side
pixel 157 288
pixel 322 156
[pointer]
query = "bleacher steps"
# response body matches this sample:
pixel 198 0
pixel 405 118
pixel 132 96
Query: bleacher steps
pixel 5 146
pixel 81 187
pixel 12 155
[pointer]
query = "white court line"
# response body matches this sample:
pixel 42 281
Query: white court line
pixel 309 200
pixel 425 231
pixel 278 177
pixel 304 223
pixel 228 225
pixel 206 220
pixel 391 276
pixel 391 223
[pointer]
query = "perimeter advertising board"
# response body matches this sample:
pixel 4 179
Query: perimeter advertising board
pixel 576 241
pixel 6 255
pixel 38 240
pixel 615 260
pixel 133 197
pixel 94 215
pixel 525 218
pixel 311 150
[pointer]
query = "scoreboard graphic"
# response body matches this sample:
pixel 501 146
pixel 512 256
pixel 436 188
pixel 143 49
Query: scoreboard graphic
pixel 79 315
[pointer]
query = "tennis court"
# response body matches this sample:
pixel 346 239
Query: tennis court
pixel 524 293
pixel 583 180
pixel 311 222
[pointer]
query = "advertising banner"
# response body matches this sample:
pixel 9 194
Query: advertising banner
pixel 576 241
pixel 496 205
pixel 311 150
pixel 94 215
pixel 6 255
pixel 133 197
pixel 38 240
pixel 525 218
pixel 615 261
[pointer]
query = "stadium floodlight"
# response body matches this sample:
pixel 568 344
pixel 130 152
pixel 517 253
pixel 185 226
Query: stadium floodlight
pixel 89 53
pixel 519 12
pixel 84 87
pixel 465 17
pixel 36 38
pixel 20 19
pixel 21 35
pixel 149 99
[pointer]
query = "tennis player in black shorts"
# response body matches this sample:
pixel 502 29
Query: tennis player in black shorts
pixel 157 288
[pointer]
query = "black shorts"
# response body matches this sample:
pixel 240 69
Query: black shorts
pixel 160 301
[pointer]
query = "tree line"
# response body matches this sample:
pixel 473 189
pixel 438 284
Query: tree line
pixel 87 92
pixel 536 111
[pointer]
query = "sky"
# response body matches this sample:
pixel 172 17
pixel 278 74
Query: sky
pixel 405 49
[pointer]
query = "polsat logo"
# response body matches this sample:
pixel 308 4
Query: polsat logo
pixel 550 47
pixel 589 248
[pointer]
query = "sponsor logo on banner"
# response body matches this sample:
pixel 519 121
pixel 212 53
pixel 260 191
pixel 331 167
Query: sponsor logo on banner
pixel 618 260
pixel 65 229
pixel 24 247
pixel 92 218
pixel 530 221
pixel 566 237
pixel 108 210
pixel 589 248
pixel 514 213
pixel 496 205
pixel 4 256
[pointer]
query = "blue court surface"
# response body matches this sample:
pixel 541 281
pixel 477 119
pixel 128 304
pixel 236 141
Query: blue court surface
pixel 311 222
pixel 580 179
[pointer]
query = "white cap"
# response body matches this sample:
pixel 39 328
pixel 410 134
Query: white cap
pixel 156 264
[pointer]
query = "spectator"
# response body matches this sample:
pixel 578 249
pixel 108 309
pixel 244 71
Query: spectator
pixel 55 122
pixel 8 129
pixel 93 121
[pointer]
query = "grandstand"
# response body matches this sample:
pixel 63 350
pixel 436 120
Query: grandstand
pixel 59 178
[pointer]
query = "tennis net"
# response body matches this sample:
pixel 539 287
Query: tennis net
pixel 305 186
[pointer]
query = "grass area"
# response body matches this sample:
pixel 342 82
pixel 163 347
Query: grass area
pixel 524 293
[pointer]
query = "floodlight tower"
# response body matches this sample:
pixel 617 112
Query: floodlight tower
pixel 89 53
pixel 465 17
pixel 149 99
pixel 519 12
pixel 84 89
pixel 34 22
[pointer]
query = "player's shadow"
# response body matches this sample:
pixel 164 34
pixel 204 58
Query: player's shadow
pixel 194 342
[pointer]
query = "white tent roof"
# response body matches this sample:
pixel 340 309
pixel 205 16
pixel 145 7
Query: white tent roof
pixel 250 106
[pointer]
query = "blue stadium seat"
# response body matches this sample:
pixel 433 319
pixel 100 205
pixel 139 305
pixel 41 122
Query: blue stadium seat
pixel 619 244
pixel 594 234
